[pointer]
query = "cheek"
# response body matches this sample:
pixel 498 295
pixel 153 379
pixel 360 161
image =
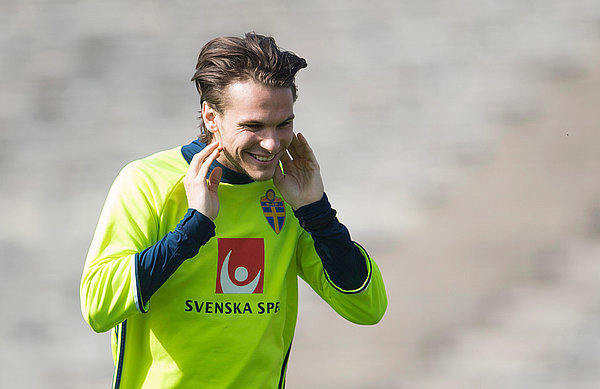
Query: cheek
pixel 241 140
pixel 286 138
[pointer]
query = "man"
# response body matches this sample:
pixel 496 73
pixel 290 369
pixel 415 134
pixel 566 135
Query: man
pixel 195 261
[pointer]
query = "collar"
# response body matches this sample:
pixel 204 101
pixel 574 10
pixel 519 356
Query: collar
pixel 229 176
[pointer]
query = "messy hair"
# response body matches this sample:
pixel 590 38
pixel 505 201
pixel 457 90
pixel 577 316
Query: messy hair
pixel 226 60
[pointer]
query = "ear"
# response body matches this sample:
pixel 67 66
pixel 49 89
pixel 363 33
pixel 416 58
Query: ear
pixel 210 117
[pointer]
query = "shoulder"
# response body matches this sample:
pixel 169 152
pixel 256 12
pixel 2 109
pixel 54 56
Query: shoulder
pixel 154 174
pixel 164 164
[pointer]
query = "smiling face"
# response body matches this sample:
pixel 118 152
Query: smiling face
pixel 255 128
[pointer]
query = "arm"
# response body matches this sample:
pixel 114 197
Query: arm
pixel 343 262
pixel 128 225
pixel 339 270
pixel 157 263
pixel 128 261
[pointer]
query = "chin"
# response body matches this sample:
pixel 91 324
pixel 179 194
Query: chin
pixel 260 175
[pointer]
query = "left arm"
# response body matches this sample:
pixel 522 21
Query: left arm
pixel 345 276
pixel 342 260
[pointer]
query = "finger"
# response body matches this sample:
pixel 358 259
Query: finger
pixel 301 149
pixel 206 164
pixel 284 161
pixel 194 165
pixel 214 179
pixel 304 142
pixel 278 177
pixel 203 172
pixel 199 158
pixel 285 158
pixel 294 149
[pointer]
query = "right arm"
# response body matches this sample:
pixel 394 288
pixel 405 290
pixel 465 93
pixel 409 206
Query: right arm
pixel 128 261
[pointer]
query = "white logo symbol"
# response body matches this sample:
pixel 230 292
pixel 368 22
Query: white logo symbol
pixel 241 275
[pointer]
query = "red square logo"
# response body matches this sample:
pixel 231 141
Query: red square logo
pixel 241 265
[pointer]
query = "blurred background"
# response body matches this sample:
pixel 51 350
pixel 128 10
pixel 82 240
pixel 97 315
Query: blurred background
pixel 458 141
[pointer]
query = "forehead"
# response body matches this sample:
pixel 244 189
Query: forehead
pixel 251 100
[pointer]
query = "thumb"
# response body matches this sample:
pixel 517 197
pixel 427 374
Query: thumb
pixel 214 179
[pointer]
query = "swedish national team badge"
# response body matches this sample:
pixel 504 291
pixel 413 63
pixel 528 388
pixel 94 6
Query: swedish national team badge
pixel 274 210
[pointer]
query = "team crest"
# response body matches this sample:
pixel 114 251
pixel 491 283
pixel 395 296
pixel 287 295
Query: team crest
pixel 274 210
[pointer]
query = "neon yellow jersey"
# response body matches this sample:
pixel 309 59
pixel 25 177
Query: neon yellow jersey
pixel 226 317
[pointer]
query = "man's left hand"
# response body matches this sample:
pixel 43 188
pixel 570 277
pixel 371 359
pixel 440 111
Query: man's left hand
pixel 300 183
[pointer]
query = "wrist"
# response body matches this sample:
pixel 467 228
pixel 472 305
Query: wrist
pixel 307 201
pixel 201 208
pixel 197 225
pixel 315 215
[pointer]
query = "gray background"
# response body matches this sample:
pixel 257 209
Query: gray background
pixel 458 141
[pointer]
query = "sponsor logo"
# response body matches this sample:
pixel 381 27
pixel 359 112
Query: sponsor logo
pixel 273 209
pixel 241 265
pixel 232 307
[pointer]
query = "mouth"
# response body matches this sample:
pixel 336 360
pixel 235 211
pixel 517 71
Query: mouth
pixel 263 158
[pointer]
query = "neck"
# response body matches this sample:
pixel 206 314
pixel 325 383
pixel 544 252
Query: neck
pixel 230 175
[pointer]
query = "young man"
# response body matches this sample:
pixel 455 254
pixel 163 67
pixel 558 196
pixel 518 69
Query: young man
pixel 196 258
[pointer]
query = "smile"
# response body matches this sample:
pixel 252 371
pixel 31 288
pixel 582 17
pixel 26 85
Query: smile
pixel 263 158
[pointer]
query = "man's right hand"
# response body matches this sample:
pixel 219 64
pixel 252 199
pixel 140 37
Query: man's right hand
pixel 202 193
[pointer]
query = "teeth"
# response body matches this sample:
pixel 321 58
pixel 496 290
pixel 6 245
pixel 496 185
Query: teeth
pixel 263 158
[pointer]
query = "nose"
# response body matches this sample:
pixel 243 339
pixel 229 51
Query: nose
pixel 270 140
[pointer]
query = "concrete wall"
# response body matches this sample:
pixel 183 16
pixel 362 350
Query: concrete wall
pixel 457 141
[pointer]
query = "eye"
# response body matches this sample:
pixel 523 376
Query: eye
pixel 285 125
pixel 251 127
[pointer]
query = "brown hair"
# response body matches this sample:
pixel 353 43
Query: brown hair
pixel 225 60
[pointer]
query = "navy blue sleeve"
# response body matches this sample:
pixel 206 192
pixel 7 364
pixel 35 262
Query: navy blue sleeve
pixel 158 262
pixel 341 258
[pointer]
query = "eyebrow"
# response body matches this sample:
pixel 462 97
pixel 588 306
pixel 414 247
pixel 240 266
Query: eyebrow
pixel 259 123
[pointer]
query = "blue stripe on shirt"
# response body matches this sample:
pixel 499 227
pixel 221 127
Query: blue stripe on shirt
pixel 158 262
pixel 342 260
